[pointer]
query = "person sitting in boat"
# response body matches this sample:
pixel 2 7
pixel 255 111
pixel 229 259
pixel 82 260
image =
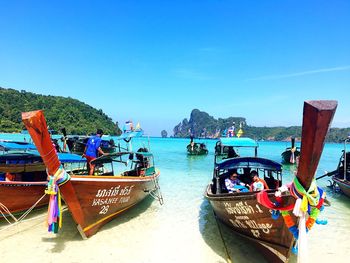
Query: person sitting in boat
pixel 231 153
pixel 233 184
pixel 258 183
pixel 12 177
pixel 92 150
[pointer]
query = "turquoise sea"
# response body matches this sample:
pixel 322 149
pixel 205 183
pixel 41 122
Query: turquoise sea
pixel 184 228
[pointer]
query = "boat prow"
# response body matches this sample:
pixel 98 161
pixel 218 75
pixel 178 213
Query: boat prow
pixel 96 199
pixel 249 213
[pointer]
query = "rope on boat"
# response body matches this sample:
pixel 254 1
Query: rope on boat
pixel 20 219
pixel 156 193
pixel 228 258
pixel 6 213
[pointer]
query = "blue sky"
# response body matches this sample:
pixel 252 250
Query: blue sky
pixel 155 61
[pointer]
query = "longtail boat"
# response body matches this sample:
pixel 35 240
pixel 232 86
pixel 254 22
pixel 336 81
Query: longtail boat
pixel 341 176
pixel 196 148
pixel 249 214
pixel 93 200
pixel 290 154
pixel 23 180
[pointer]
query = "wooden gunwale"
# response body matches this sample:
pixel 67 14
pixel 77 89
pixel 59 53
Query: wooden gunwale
pixel 23 183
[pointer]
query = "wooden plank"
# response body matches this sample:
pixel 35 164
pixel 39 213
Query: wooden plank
pixel 317 118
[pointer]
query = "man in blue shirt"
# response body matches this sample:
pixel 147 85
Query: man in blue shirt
pixel 92 149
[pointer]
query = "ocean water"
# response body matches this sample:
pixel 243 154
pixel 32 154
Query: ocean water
pixel 184 228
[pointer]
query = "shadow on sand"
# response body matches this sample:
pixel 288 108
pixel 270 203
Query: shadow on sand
pixel 69 231
pixel 223 240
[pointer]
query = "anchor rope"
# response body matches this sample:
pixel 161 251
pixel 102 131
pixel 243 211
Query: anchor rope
pixel 228 259
pixel 21 218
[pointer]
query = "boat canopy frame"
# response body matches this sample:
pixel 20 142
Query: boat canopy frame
pixel 225 147
pixel 271 171
pixel 139 161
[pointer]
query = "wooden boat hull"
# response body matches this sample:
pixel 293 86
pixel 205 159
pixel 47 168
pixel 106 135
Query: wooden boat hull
pixel 18 197
pixel 344 185
pixel 245 216
pixel 95 200
pixel 201 152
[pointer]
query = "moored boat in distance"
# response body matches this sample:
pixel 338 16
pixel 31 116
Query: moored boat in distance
pixel 290 154
pixel 249 213
pixel 196 148
pixel 341 176
pixel 93 200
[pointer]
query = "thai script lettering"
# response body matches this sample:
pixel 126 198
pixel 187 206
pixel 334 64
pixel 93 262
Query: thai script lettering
pixel 114 195
pixel 239 208
pixel 113 191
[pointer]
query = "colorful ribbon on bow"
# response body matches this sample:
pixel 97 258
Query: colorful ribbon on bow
pixel 308 202
pixel 54 217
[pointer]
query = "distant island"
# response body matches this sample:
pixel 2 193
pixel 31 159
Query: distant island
pixel 73 115
pixel 201 124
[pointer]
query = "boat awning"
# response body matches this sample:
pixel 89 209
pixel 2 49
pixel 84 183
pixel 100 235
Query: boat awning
pixel 250 162
pixel 238 142
pixel 70 158
pixel 20 157
pixel 34 156
pixel 15 146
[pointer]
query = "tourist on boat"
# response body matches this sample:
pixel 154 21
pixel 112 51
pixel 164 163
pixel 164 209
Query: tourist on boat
pixel 258 183
pixel 92 150
pixel 231 153
pixel 233 184
pixel 12 177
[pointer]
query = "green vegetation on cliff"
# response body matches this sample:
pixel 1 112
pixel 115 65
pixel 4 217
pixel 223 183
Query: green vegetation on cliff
pixel 77 117
pixel 201 124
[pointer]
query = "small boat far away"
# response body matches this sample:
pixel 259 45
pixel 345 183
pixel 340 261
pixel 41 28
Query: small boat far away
pixel 94 200
pixel 290 155
pixel 341 175
pixel 249 213
pixel 196 148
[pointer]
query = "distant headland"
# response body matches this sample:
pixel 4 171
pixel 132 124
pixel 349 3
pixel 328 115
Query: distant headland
pixel 201 124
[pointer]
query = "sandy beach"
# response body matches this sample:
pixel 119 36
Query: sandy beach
pixel 184 229
pixel 143 234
